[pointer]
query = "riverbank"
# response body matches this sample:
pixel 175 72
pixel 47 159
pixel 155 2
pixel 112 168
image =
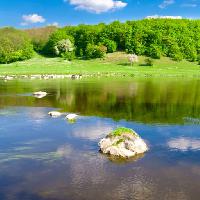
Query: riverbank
pixel 115 64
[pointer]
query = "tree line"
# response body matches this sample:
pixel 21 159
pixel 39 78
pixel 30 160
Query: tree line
pixel 177 39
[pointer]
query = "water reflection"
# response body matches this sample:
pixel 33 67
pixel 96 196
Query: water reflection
pixel 147 101
pixel 184 144
pixel 92 131
pixel 49 159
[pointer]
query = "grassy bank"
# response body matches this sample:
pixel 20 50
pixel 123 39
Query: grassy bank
pixel 113 64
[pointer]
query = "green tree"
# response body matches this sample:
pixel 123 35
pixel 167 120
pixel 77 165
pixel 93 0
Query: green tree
pixel 15 45
pixel 54 38
pixel 95 51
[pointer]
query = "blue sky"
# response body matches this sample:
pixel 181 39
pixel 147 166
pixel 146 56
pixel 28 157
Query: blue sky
pixel 35 13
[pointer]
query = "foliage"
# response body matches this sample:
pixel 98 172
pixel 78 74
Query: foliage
pixel 119 142
pixel 198 59
pixel 95 51
pixel 54 39
pixel 14 45
pixel 119 131
pixel 154 51
pixel 65 49
pixel 84 35
pixel 63 46
pixel 68 55
pixel 177 39
pixel 40 36
pixel 110 44
pixel 149 62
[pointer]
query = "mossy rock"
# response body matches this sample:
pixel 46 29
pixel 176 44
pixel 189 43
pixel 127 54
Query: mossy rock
pixel 121 131
pixel 123 142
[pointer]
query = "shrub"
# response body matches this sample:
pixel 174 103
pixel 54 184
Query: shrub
pixel 191 54
pixel 110 44
pixel 65 49
pixel 63 46
pixel 95 51
pixel 15 45
pixel 54 38
pixel 198 59
pixel 175 53
pixel 68 55
pixel 154 51
pixel 177 57
pixel 149 62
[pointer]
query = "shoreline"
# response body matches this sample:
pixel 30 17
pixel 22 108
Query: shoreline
pixel 114 65
pixel 96 75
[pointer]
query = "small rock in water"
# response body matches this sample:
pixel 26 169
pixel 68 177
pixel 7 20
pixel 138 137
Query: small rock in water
pixel 55 114
pixel 71 116
pixel 8 78
pixel 39 94
pixel 123 142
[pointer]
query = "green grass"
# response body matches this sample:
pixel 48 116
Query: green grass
pixel 119 142
pixel 121 130
pixel 113 64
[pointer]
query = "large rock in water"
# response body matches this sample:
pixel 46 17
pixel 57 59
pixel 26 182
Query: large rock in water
pixel 123 142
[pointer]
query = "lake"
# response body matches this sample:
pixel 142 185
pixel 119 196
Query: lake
pixel 44 158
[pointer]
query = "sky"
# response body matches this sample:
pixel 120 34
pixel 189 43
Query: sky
pixel 38 13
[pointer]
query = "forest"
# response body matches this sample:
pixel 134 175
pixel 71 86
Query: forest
pixel 154 38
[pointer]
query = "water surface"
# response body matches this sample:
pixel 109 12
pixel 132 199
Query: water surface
pixel 44 158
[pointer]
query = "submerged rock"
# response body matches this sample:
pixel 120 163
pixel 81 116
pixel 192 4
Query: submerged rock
pixel 71 116
pixel 124 143
pixel 55 114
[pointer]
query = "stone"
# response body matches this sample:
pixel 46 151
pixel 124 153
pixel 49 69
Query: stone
pixel 124 143
pixel 8 78
pixel 39 94
pixel 55 114
pixel 71 116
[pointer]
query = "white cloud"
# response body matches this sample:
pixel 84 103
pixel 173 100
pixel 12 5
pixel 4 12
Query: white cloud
pixel 54 24
pixel 184 144
pixel 95 131
pixel 32 19
pixel 163 17
pixel 97 6
pixel 166 3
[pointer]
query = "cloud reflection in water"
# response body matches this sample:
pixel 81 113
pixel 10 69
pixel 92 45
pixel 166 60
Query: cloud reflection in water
pixel 184 144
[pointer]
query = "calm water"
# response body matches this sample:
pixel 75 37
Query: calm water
pixel 43 158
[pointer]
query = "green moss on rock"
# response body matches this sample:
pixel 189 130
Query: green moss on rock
pixel 119 141
pixel 122 130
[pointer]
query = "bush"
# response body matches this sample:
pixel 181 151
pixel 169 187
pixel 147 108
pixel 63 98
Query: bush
pixel 154 51
pixel 149 62
pixel 63 46
pixel 191 54
pixel 110 44
pixel 15 45
pixel 175 53
pixel 54 38
pixel 198 59
pixel 177 57
pixel 65 49
pixel 95 51
pixel 68 55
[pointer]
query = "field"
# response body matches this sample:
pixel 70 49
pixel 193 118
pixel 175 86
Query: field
pixel 114 64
